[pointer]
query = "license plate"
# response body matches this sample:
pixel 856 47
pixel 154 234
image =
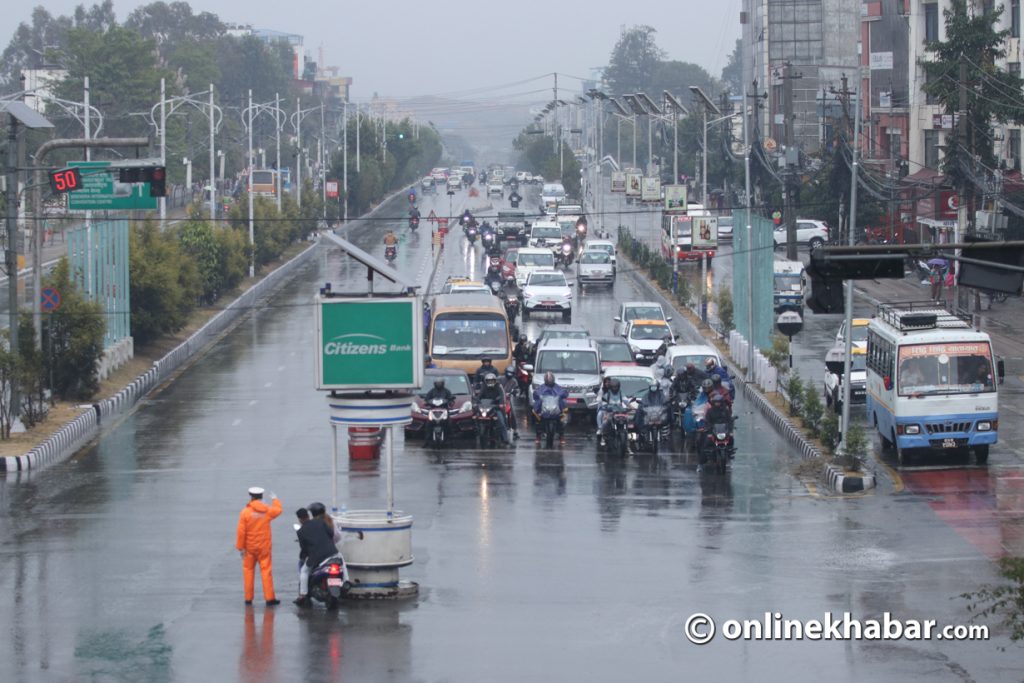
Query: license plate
pixel 548 303
pixel 949 443
pixel 334 582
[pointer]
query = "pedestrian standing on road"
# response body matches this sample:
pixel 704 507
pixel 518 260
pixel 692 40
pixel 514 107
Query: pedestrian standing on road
pixel 935 279
pixel 254 544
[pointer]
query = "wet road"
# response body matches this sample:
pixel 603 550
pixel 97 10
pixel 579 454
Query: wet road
pixel 534 565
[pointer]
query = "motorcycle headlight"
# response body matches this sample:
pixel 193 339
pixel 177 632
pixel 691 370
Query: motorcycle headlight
pixel 466 407
pixel 721 437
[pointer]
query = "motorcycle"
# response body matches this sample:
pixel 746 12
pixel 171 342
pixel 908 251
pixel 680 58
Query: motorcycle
pixel 471 235
pixel 655 428
pixel 581 234
pixel 488 431
pixel 329 581
pixel 438 416
pixel 550 416
pixel 718 447
pixel 511 307
pixel 514 200
pixel 414 222
pixel 618 427
pixel 524 377
pixel 487 241
pixel 390 253
pixel 565 255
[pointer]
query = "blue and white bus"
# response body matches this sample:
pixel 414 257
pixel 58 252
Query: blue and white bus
pixel 931 382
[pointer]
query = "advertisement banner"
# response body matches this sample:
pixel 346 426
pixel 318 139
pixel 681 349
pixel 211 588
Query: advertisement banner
pixel 675 198
pixel 369 343
pixel 633 181
pixel 618 181
pixel 705 231
pixel 650 190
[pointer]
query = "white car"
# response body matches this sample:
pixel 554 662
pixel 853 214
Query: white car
pixel 439 175
pixel 529 259
pixel 546 234
pixel 645 337
pixel 860 334
pixel 495 186
pixel 595 267
pixel 551 195
pixel 633 379
pixel 523 177
pixel 809 232
pixel 607 246
pixel 833 384
pixel 638 310
pixel 679 355
pixel 725 225
pixel 455 182
pixel 547 291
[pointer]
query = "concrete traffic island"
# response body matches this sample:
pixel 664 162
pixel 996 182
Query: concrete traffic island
pixel 375 545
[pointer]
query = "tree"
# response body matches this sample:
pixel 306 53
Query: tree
pixel 993 95
pixel 1005 601
pixel 164 284
pixel 73 338
pixel 732 72
pixel 8 375
pixel 633 61
pixel 538 155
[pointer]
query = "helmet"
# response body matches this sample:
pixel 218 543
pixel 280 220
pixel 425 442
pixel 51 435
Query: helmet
pixel 486 361
pixel 690 367
pixel 716 380
pixel 490 379
pixel 709 363
pixel 706 385
pixel 510 371
pixel 653 386
pixel 549 379
pixel 522 338
pixel 439 383
pixel 614 385
pixel 316 509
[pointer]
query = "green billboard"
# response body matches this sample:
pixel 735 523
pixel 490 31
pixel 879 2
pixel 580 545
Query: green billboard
pixel 102 191
pixel 369 343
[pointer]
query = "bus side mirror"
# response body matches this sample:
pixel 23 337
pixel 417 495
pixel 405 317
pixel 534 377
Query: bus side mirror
pixel 1001 369
pixel 888 382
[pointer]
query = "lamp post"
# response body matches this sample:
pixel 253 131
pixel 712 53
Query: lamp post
pixel 707 104
pixel 188 173
pixel 296 120
pixel 254 110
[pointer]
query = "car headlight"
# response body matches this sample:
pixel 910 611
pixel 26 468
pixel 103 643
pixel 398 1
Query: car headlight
pixel 635 349
pixel 984 426
pixel 466 407
pixel 912 429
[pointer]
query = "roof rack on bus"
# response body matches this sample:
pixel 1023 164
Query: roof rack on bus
pixel 908 316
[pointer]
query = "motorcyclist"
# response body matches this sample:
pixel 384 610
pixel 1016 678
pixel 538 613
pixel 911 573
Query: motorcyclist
pixel 414 212
pixel 654 396
pixel 390 239
pixel 550 388
pixel 712 368
pixel 467 218
pixel 720 390
pixel 687 382
pixel 523 351
pixel 609 399
pixel 718 413
pixel 492 391
pixel 316 542
pixel 486 366
pixel 515 198
pixel 439 390
pixel 494 275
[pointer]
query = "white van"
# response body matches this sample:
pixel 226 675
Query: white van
pixel 529 259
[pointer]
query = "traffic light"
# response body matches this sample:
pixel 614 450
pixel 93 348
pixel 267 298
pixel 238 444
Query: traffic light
pixel 827 271
pixel 157 181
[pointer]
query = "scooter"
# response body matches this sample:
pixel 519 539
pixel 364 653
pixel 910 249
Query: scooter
pixel 329 581
pixel 414 222
pixel 390 253
pixel 438 416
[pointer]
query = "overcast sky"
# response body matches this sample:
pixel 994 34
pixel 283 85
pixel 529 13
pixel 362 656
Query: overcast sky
pixel 417 47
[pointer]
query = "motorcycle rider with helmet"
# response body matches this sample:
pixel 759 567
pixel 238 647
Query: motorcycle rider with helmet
pixel 654 396
pixel 439 390
pixel 550 388
pixel 486 367
pixel 523 351
pixel 718 413
pixel 609 399
pixel 492 391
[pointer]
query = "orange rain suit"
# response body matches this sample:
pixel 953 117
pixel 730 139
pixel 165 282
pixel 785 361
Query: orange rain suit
pixel 253 537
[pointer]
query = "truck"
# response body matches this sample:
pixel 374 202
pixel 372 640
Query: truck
pixel 789 286
pixel 689 246
pixel 511 225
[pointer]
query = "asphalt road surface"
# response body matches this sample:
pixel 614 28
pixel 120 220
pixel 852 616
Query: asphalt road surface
pixel 118 565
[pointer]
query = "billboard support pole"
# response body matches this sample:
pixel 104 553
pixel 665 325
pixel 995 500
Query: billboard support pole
pixel 334 466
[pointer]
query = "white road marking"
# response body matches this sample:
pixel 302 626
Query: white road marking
pixel 237 422
pixel 266 386
pixel 280 368
pixel 252 402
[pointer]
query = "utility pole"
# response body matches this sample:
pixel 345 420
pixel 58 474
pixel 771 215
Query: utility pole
pixel 252 241
pixel 894 175
pixel 298 153
pixel 750 240
pixel 961 217
pixel 788 177
pixel 847 355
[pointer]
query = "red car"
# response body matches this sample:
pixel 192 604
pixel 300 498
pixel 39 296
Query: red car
pixel 508 263
pixel 457 382
pixel 614 351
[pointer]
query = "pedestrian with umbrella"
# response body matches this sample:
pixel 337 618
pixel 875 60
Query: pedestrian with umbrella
pixel 936 277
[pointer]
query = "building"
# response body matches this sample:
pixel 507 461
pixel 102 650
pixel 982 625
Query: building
pixel 818 41
pixel 270 36
pixel 41 82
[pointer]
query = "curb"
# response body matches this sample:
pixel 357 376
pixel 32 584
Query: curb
pixel 836 478
pixel 67 440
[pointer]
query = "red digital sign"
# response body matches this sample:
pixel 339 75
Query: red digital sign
pixel 66 180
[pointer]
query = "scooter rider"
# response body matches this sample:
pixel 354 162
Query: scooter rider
pixel 654 396
pixel 414 212
pixel 550 388
pixel 719 389
pixel 390 239
pixel 439 390
pixel 609 399
pixel 316 540
pixel 493 392
pixel 511 387
pixel 523 351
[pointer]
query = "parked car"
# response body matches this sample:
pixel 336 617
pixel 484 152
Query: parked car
pixel 547 291
pixel 811 233
pixel 614 351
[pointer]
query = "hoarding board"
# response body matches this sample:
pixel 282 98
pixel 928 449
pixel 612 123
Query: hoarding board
pixel 675 197
pixel 633 181
pixel 650 190
pixel 705 231
pixel 369 343
pixel 618 181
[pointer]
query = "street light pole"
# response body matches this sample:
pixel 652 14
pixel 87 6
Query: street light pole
pixel 277 124
pixel 213 160
pixel 252 241
pixel 704 163
pixel 750 243
pixel 344 162
pixel 298 154
pixel 851 228
pixel 323 164
pixel 163 138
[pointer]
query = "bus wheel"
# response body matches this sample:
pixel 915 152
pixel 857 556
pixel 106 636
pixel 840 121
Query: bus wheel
pixel 981 454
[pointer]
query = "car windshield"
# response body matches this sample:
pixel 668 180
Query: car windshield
pixel 787 282
pixel 546 280
pixel 574 362
pixel 680 361
pixel 941 369
pixel 545 259
pixel 631 386
pixel 647 331
pixel 457 384
pixel 644 313
pixel 469 334
pixel 563 334
pixel 614 352
pixel 511 255
pixel 595 257
pixel 860 333
pixel 547 233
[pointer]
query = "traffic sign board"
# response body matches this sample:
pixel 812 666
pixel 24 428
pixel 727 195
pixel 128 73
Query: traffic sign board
pixel 101 190
pixel 49 301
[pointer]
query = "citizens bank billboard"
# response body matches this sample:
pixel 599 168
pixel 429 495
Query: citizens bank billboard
pixel 369 343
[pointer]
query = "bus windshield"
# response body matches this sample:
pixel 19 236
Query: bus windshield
pixel 945 369
pixel 469 335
